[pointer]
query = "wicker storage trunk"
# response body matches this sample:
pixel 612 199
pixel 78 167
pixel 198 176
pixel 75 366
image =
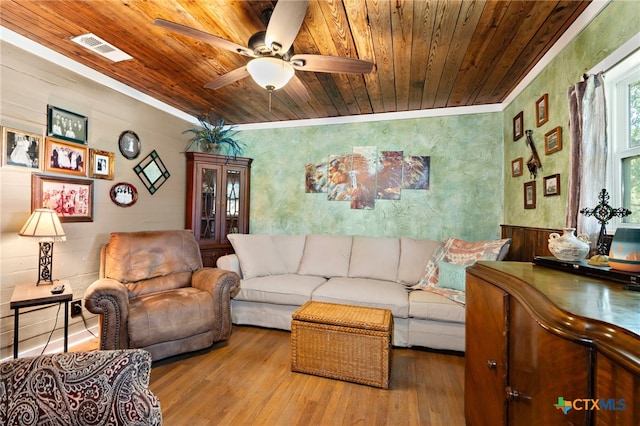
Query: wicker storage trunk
pixel 344 342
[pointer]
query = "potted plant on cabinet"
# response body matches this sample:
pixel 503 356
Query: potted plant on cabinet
pixel 215 137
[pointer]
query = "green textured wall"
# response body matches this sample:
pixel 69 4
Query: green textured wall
pixel 615 25
pixel 464 199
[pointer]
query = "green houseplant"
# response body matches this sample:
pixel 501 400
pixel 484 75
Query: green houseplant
pixel 213 136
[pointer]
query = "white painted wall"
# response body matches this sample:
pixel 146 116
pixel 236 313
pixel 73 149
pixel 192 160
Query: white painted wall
pixel 27 85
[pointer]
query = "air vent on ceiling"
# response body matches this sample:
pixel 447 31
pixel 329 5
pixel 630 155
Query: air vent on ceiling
pixel 101 47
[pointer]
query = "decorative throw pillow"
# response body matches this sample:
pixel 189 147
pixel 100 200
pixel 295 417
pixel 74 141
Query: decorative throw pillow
pixel 467 253
pixel 257 255
pixel 452 275
pixel 459 252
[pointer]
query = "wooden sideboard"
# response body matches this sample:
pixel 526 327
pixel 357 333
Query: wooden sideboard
pixel 535 335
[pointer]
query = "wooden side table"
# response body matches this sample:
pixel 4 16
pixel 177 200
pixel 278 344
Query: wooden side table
pixel 28 295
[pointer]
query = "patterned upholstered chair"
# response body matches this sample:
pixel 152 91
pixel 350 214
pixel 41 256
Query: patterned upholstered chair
pixel 79 388
pixel 154 294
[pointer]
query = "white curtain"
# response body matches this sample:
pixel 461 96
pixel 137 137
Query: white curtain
pixel 588 153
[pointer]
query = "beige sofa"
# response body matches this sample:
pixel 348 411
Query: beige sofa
pixel 279 273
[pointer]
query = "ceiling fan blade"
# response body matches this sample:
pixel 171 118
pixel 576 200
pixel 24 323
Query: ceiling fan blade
pixel 203 36
pixel 285 23
pixel 296 90
pixel 228 78
pixel 333 64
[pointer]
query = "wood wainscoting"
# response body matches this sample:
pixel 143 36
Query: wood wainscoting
pixel 527 242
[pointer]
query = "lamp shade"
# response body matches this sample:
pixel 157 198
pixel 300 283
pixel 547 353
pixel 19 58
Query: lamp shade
pixel 270 73
pixel 45 225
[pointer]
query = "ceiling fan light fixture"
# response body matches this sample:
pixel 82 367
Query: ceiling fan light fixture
pixel 270 73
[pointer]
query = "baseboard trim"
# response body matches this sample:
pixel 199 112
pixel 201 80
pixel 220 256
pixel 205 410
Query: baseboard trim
pixel 57 345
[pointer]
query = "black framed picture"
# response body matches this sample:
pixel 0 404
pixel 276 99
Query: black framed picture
pixel 518 126
pixel 530 195
pixel 551 185
pixel 129 144
pixel 67 125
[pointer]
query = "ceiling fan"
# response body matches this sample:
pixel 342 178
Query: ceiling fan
pixel 274 61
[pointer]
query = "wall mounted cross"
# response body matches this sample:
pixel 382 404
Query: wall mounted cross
pixel 603 212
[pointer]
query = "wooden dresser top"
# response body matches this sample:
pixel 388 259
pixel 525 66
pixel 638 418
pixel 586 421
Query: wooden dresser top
pixel 580 308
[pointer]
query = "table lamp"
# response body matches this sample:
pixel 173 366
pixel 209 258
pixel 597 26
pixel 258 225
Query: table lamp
pixel 44 225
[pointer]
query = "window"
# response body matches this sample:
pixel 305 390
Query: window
pixel 623 116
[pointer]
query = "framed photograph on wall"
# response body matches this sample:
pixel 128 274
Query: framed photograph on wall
pixel 66 125
pixel 61 157
pixel 518 126
pixel 101 164
pixel 21 149
pixel 553 141
pixel 551 185
pixel 123 194
pixel 542 110
pixel 516 167
pixel 71 198
pixel 129 144
pixel 530 195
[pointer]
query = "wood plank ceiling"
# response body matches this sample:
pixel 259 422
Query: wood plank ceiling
pixel 427 53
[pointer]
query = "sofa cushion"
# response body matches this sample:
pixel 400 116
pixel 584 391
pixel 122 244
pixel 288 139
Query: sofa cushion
pixel 452 275
pixel 257 255
pixel 290 249
pixel 375 258
pixel 414 255
pixel 287 289
pixel 431 306
pixel 326 256
pixel 365 292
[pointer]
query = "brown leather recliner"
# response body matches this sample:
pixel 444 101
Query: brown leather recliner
pixel 154 294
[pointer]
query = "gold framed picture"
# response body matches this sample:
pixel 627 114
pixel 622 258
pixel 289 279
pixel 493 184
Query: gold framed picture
pixel 101 164
pixel 62 157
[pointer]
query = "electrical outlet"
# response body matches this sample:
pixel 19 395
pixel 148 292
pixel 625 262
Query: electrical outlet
pixel 76 308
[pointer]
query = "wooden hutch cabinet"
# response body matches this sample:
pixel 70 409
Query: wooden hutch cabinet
pixel 537 336
pixel 217 201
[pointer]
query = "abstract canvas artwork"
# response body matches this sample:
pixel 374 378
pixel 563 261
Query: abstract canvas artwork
pixel 365 175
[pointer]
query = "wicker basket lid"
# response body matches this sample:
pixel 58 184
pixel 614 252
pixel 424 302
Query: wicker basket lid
pixel 345 315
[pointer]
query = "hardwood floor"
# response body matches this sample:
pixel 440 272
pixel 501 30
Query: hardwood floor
pixel 248 381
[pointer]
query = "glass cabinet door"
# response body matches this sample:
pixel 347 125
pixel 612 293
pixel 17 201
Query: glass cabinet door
pixel 234 222
pixel 208 200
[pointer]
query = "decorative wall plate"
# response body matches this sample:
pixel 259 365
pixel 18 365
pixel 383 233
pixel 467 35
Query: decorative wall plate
pixel 123 194
pixel 129 144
